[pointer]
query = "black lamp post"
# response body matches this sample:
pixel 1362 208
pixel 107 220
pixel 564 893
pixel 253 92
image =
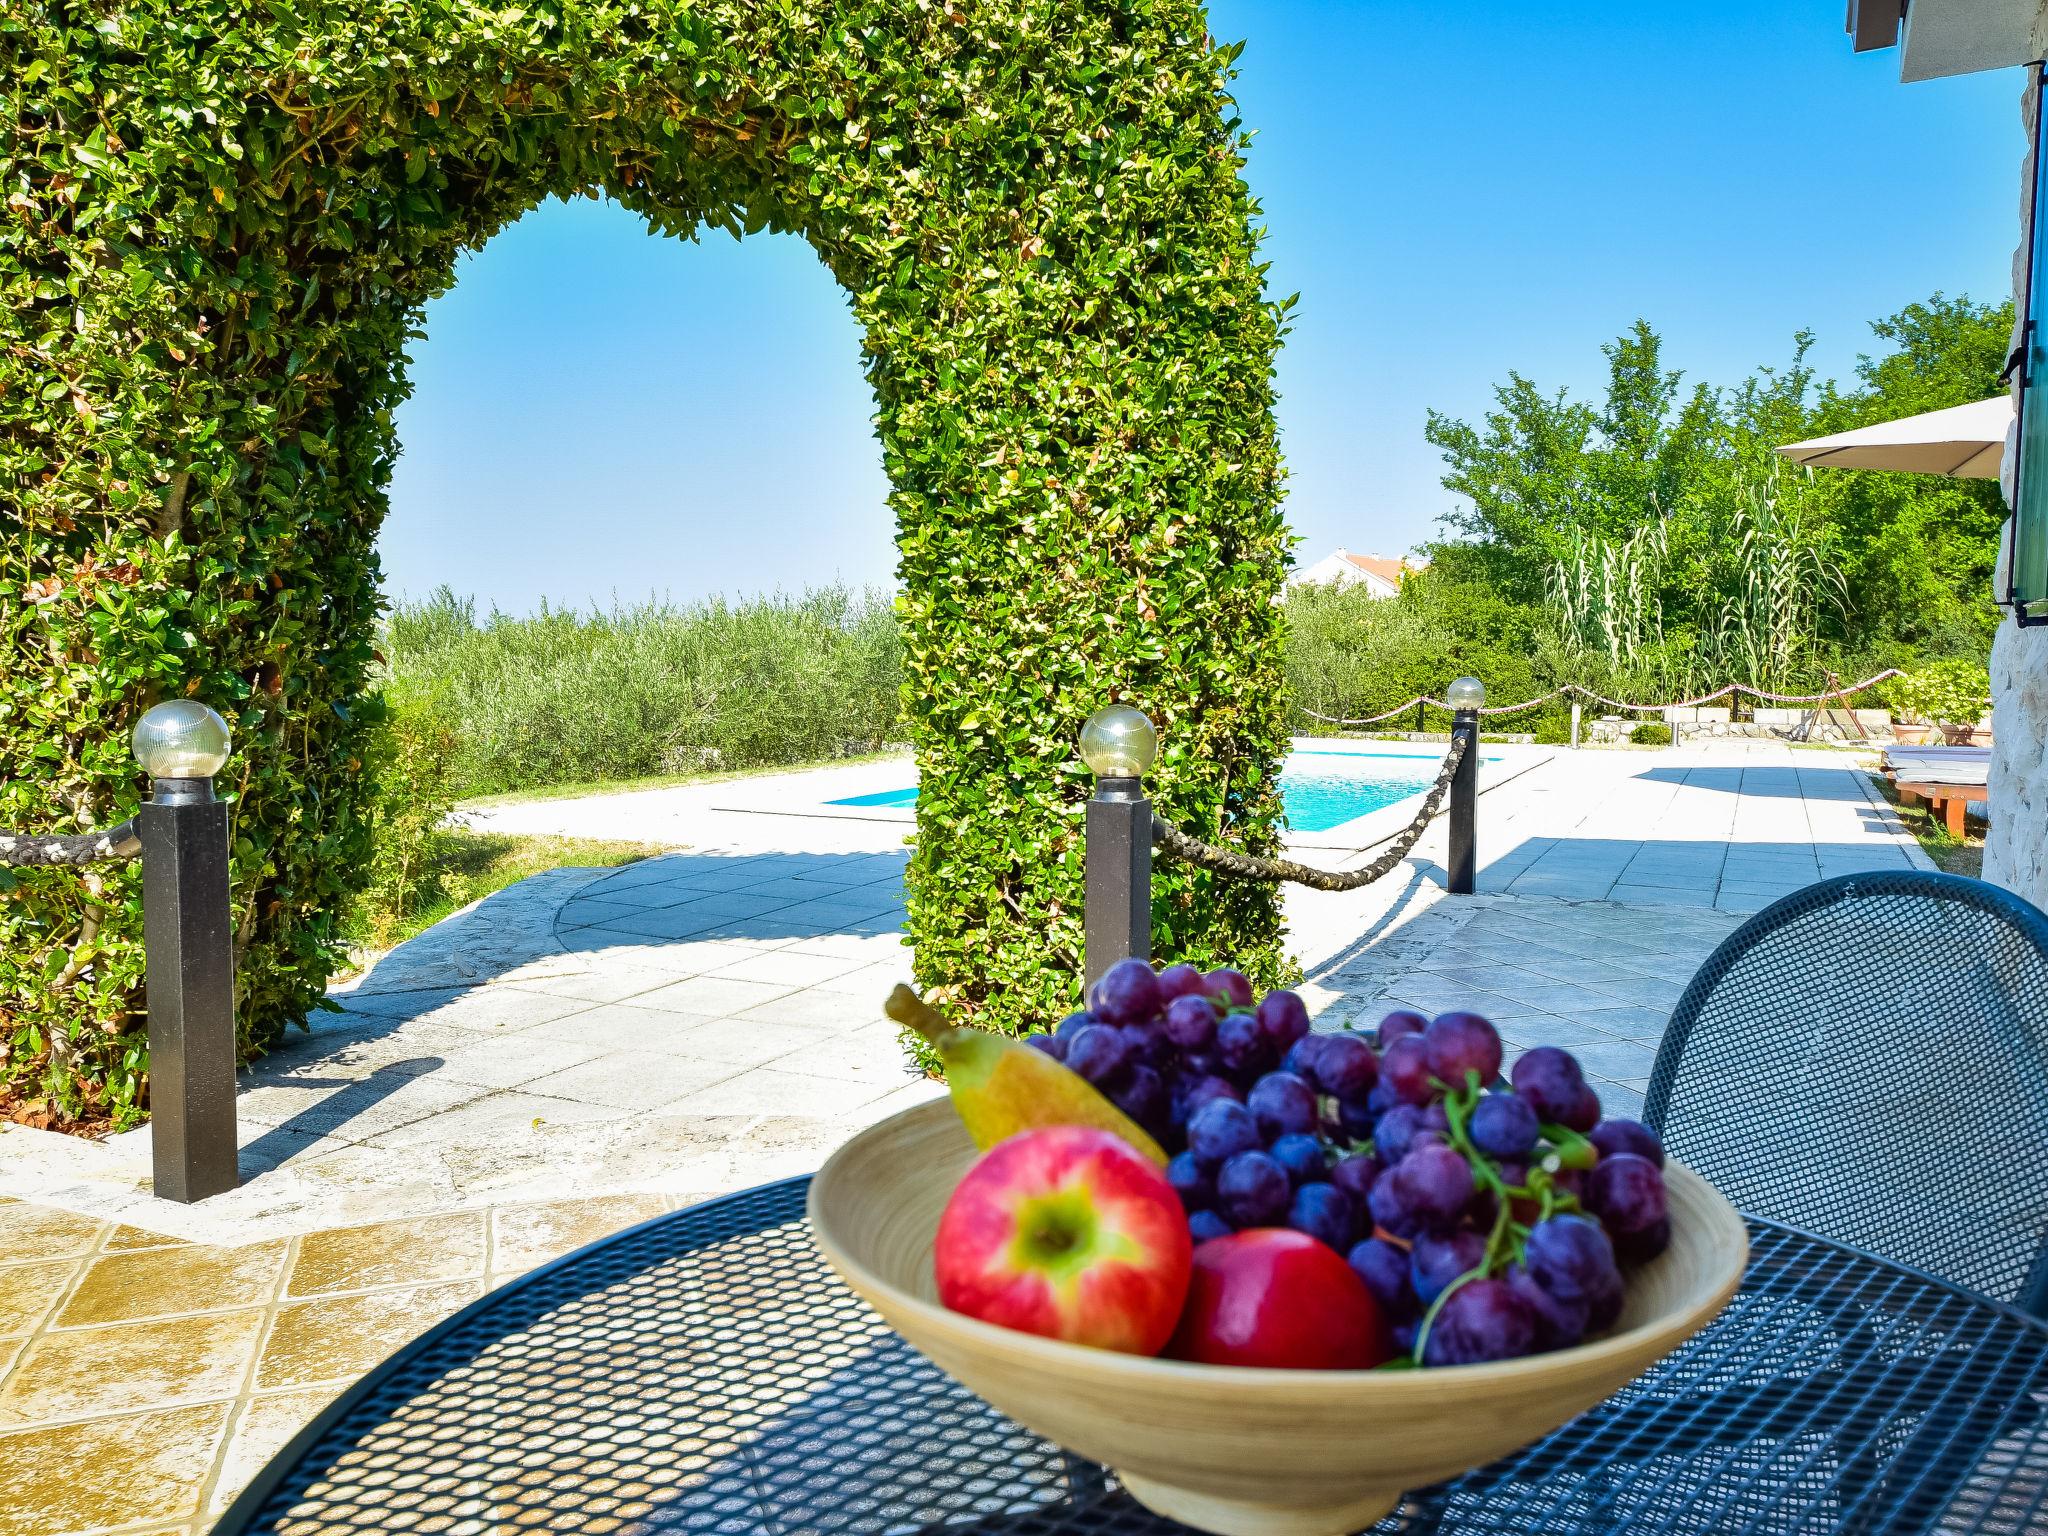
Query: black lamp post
pixel 1118 744
pixel 189 940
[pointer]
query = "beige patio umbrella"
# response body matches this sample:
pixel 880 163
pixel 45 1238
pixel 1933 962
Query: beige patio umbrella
pixel 1965 441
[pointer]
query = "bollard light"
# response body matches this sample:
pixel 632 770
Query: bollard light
pixel 1118 742
pixel 181 739
pixel 1465 696
pixel 188 939
pixel 1466 693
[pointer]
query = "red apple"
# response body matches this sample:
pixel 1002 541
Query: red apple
pixel 1069 1232
pixel 1272 1296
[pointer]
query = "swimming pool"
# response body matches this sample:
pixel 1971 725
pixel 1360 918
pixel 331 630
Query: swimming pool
pixel 1321 789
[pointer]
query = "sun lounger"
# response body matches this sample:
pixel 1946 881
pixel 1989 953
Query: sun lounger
pixel 1952 779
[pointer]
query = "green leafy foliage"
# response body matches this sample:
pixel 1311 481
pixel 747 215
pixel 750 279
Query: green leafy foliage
pixel 223 225
pixel 1650 734
pixel 1651 546
pixel 564 697
pixel 1672 544
pixel 1952 692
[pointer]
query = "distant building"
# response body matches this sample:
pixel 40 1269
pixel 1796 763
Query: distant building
pixel 1381 575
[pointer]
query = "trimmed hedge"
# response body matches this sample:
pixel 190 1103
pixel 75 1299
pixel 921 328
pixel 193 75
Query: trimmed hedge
pixel 222 224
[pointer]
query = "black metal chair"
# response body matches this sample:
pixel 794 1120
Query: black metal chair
pixel 1867 1058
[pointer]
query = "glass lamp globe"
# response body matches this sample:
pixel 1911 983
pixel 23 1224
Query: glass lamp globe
pixel 1118 742
pixel 1465 693
pixel 181 739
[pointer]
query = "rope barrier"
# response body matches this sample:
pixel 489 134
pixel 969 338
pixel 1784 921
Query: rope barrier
pixel 1245 866
pixel 1600 698
pixel 63 848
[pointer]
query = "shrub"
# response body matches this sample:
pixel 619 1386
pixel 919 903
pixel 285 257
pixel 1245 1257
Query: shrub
pixel 655 688
pixel 411 760
pixel 1651 734
pixel 1952 692
pixel 225 222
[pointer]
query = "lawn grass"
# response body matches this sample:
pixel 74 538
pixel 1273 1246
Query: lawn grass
pixel 468 866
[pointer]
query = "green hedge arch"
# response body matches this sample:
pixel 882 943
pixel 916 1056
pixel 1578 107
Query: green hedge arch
pixel 222 222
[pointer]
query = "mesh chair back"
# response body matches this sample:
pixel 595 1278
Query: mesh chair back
pixel 1868 1059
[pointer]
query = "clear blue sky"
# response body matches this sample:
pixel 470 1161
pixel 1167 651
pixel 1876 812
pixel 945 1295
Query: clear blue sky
pixel 1455 190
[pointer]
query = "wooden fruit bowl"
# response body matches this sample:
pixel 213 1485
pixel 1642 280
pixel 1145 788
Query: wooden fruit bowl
pixel 1228 1449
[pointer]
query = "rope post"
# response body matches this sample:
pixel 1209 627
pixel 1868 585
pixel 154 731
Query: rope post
pixel 1420 725
pixel 1118 744
pixel 188 945
pixel 1575 725
pixel 1465 696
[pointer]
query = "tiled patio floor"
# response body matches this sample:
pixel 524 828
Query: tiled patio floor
pixel 593 1047
pixel 146 1379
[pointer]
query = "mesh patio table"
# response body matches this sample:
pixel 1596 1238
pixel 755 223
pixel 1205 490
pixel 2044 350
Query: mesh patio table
pixel 706 1372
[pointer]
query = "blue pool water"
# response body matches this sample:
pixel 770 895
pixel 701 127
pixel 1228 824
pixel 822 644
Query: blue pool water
pixel 1321 789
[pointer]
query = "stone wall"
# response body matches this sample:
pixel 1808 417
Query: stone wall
pixel 2016 844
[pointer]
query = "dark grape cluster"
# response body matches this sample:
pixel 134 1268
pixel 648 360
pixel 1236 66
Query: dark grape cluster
pixel 1489 1217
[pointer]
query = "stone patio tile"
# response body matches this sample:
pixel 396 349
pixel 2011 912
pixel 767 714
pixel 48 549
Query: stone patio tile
pixel 492 1009
pixel 758 935
pixel 871 983
pixel 632 1080
pixel 29 1291
pixel 391 1097
pixel 771 1091
pixel 842 911
pixel 388 1253
pixel 525 1235
pixel 821 1012
pixel 116 1472
pixel 1653 992
pixel 44 1232
pixel 633 1026
pixel 1700 895
pixel 585 910
pixel 1736 902
pixel 507 1064
pixel 714 996
pixel 1616 1060
pixel 124 1239
pixel 662 923
pixel 708 873
pixel 408 1048
pixel 1567 887
pixel 1525 990
pixel 786 968
pixel 872 1055
pixel 87 1372
pixel 496 1122
pixel 1621 1102
pixel 751 1042
pixel 1669 877
pixel 336 1339
pixel 1631 1023
pixel 162 1282
pixel 1770 889
pixel 1530 1030
pixel 263 1426
pixel 407 1003
pixel 694 957
pixel 639 896
pixel 615 983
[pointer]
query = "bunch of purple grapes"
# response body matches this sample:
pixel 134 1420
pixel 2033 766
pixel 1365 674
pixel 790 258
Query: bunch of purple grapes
pixel 1490 1218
